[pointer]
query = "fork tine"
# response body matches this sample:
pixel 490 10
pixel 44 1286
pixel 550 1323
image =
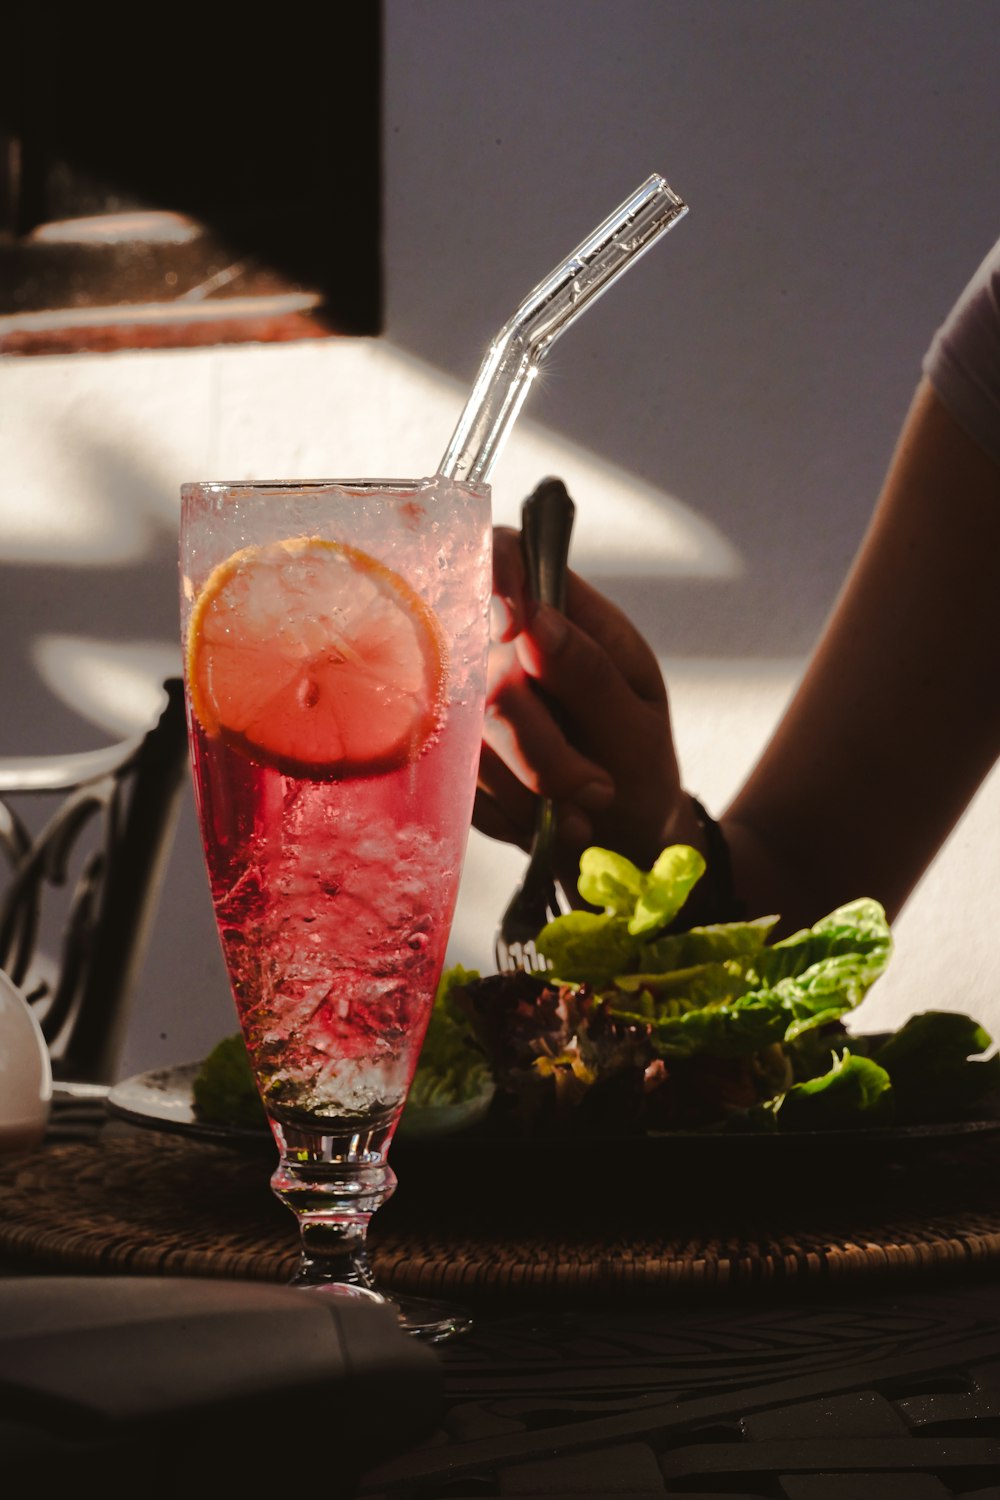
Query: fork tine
pixel 534 903
pixel 514 957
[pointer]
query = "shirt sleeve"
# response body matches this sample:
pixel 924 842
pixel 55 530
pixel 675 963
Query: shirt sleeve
pixel 963 361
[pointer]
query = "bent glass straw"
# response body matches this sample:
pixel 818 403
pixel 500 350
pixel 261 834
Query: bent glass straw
pixel 518 349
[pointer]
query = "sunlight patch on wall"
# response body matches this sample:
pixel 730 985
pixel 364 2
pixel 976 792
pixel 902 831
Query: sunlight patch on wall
pixel 623 526
pixel 366 407
pixel 93 451
pixel 50 514
pixel 117 686
pixel 723 712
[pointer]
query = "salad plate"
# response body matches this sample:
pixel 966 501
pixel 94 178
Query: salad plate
pixel 702 1047
pixel 162 1099
pixel 701 1081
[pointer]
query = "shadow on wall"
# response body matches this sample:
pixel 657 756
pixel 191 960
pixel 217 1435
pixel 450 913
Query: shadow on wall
pixel 88 574
pixel 88 521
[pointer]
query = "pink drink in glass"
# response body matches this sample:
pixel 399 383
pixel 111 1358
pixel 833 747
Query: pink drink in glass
pixel 334 902
pixel 334 883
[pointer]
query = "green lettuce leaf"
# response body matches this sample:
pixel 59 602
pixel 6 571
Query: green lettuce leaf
pixel 661 997
pixel 223 1089
pixel 610 881
pixel 936 1064
pixel 702 945
pixel 451 1069
pixel 854 1092
pixel 648 899
pixel 666 888
pixel 818 996
pixel 827 990
pixel 586 947
pixel 747 1025
pixel 858 929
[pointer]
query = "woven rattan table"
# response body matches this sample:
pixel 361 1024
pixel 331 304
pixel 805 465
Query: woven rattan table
pixel 580 1223
pixel 804 1327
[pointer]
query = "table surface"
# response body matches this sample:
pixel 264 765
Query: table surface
pixel 883 1388
pixel 886 1397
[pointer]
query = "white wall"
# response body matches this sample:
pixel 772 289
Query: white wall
pixel 723 417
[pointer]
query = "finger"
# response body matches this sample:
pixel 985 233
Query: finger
pixel 612 630
pixel 491 820
pixel 512 807
pixel 522 732
pixel 510 604
pixel 574 833
pixel 586 684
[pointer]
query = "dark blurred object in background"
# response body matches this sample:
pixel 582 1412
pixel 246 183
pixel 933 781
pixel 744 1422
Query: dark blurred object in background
pixel 196 182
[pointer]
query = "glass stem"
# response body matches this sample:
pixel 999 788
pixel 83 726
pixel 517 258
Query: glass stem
pixel 333 1183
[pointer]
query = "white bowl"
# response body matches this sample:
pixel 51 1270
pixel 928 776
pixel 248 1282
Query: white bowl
pixel 25 1072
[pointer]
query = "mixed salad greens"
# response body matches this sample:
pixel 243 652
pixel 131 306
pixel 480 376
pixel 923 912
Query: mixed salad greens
pixel 642 1025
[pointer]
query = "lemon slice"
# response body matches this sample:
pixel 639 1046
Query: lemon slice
pixel 309 656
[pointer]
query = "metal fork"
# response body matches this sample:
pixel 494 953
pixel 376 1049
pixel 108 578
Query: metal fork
pixel 546 526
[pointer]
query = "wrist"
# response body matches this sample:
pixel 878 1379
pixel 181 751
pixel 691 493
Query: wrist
pixel 715 898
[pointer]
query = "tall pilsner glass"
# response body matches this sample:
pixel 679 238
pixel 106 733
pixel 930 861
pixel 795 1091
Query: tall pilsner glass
pixel 335 653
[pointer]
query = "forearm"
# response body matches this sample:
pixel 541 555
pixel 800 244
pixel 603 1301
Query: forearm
pixel 897 719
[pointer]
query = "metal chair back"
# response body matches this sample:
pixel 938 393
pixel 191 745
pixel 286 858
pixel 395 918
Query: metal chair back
pixel 81 891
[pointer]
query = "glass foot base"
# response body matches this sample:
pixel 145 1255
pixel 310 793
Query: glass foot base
pixel 334 1180
pixel 430 1320
pixel 423 1317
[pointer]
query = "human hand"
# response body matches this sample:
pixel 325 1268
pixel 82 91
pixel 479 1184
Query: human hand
pixel 601 747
